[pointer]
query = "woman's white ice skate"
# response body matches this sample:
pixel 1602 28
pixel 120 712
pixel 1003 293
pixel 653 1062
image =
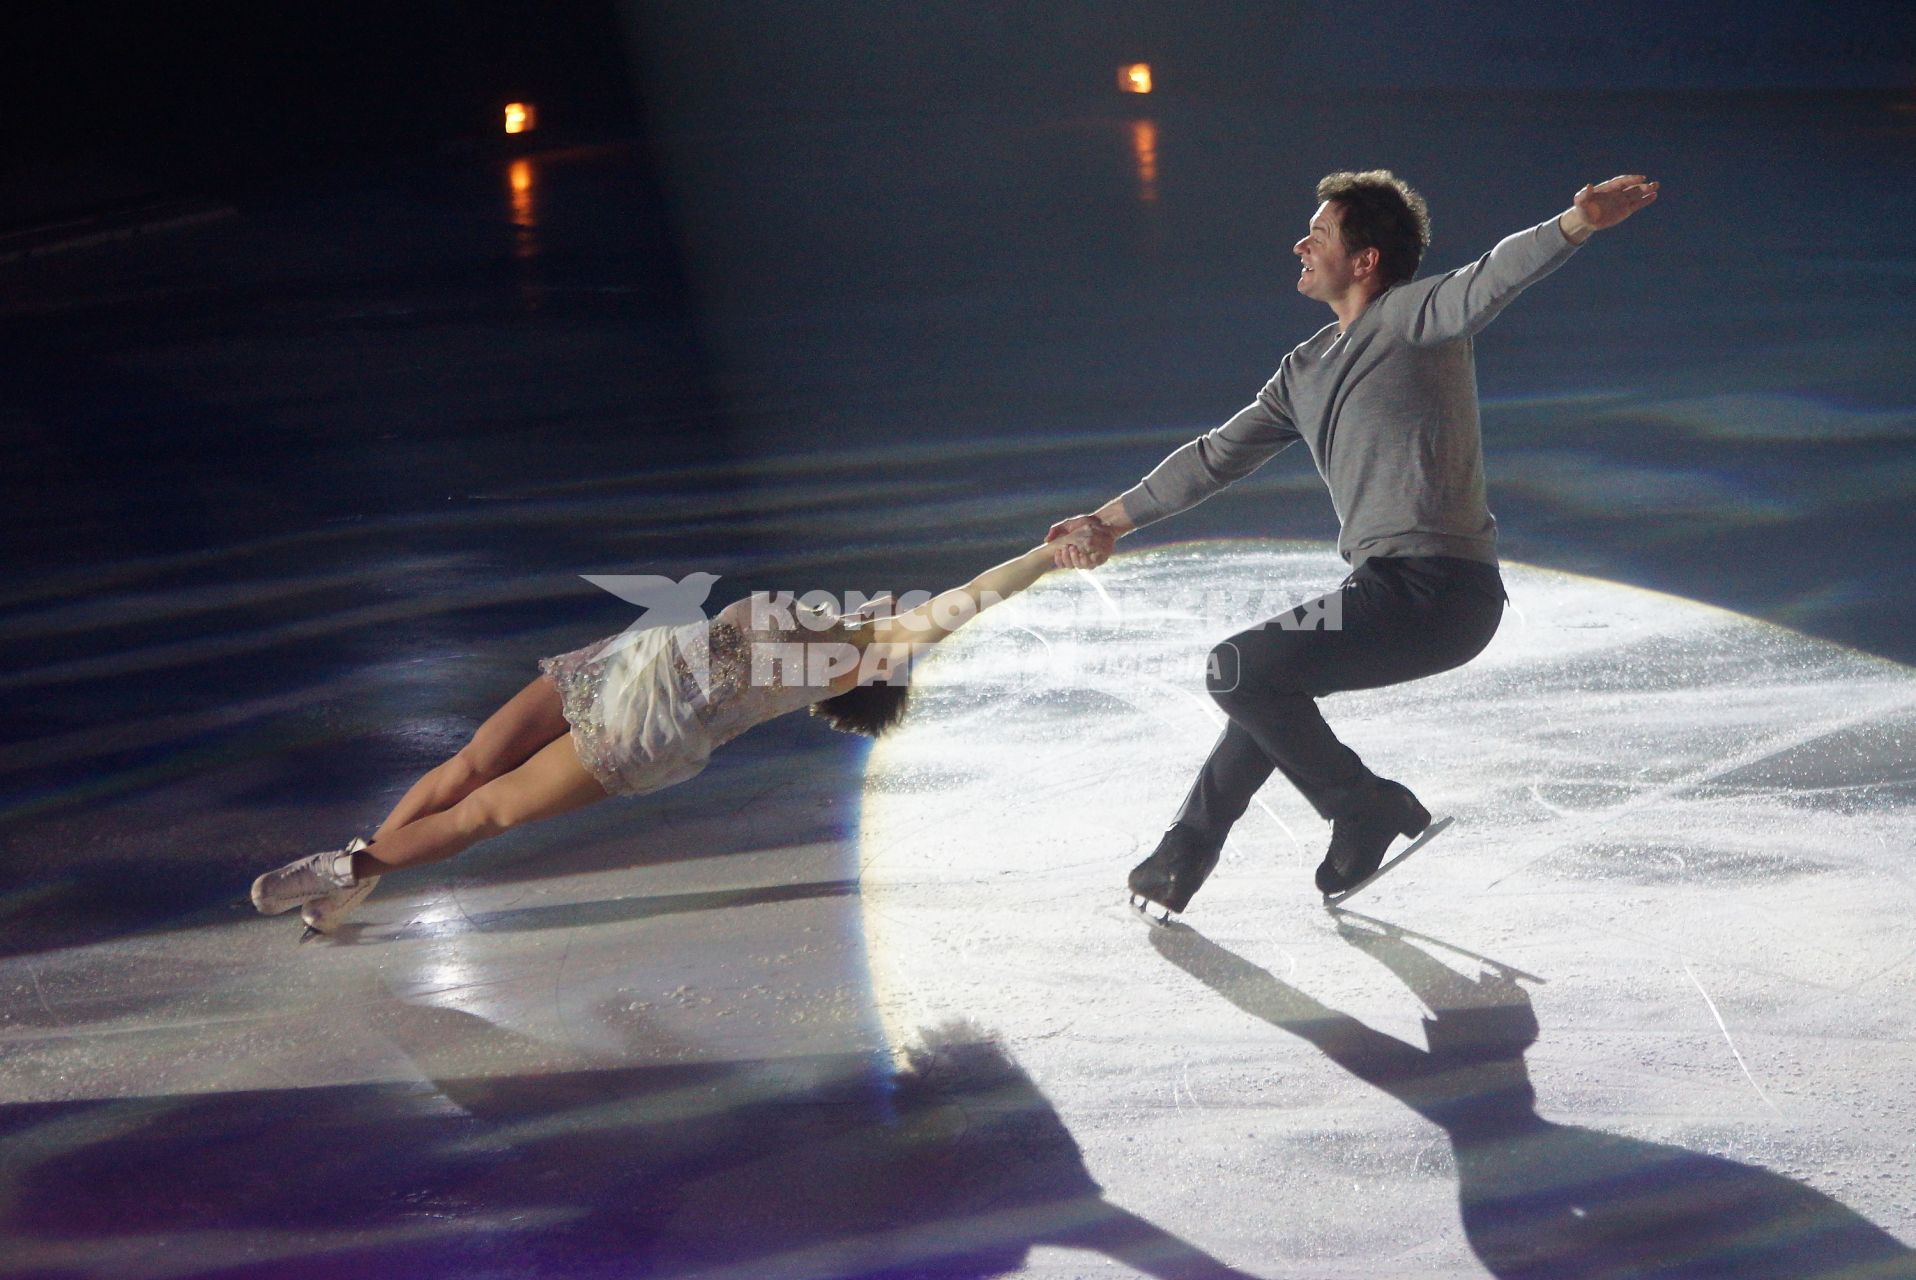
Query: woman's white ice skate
pixel 307 881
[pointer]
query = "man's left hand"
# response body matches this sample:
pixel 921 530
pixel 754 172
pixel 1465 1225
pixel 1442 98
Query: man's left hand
pixel 1605 204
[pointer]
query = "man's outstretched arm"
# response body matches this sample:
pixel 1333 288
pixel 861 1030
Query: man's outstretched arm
pixel 1459 303
pixel 1213 461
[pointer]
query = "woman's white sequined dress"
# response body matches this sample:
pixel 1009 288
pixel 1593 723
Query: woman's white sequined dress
pixel 648 708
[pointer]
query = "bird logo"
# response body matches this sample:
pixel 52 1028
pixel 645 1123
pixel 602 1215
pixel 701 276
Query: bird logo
pixel 667 603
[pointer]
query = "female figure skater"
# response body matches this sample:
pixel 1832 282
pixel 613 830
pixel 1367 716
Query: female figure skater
pixel 641 711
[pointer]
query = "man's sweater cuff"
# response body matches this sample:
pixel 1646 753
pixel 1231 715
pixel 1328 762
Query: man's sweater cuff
pixel 1138 507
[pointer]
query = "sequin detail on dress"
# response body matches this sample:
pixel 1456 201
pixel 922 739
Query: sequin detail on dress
pixel 748 682
pixel 578 675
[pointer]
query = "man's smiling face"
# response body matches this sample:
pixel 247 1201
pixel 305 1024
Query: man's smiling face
pixel 1328 269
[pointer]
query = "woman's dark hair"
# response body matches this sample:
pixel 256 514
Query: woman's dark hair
pixel 1378 210
pixel 869 709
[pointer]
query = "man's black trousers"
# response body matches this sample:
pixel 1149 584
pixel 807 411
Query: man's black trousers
pixel 1394 619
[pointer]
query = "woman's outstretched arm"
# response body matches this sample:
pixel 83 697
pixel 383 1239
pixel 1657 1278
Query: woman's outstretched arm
pixel 904 633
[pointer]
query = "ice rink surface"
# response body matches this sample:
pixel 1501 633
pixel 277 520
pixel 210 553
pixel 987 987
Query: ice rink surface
pixel 1643 1009
pixel 299 499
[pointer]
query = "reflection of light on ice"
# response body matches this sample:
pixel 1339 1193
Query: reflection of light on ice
pixel 1144 142
pixel 1653 797
pixel 521 180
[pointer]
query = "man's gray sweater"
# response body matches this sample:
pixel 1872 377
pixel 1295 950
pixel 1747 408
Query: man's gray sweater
pixel 1388 409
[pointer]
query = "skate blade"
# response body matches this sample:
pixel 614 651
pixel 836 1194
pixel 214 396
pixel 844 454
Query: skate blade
pixel 1431 832
pixel 308 934
pixel 1143 907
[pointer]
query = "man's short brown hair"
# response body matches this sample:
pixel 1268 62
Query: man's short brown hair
pixel 1378 210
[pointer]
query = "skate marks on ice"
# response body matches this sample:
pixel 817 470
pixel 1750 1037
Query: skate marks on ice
pixel 1538 1198
pixel 546 1162
pixel 589 913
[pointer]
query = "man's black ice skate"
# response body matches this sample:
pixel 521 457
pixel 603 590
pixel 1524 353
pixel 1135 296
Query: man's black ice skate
pixel 1359 841
pixel 1175 870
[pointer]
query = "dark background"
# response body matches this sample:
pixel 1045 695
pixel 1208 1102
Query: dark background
pixel 198 94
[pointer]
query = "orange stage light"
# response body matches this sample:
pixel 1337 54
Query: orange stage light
pixel 519 117
pixel 1135 78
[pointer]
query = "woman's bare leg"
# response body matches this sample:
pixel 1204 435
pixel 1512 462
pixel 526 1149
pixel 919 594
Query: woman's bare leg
pixel 508 738
pixel 550 783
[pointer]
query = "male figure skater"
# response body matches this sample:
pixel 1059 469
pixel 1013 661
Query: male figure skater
pixel 1385 399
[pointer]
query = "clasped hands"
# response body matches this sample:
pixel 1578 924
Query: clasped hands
pixel 1082 542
